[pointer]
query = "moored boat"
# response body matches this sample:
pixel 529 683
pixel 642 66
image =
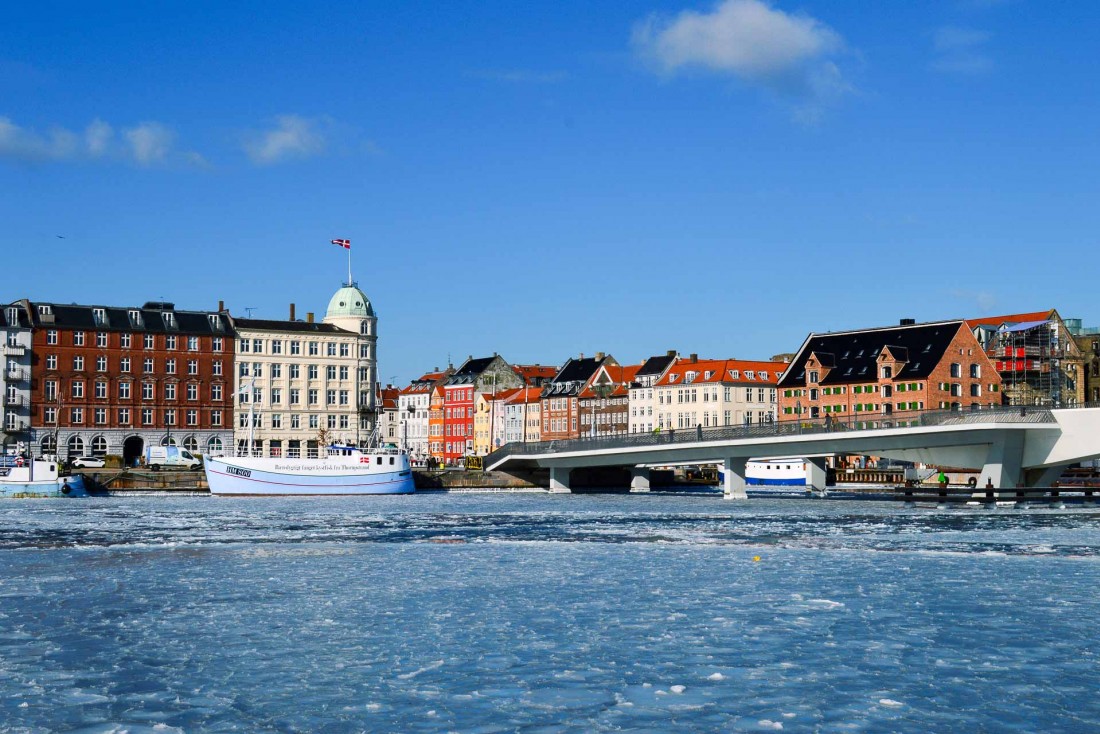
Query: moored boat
pixel 339 470
pixel 21 478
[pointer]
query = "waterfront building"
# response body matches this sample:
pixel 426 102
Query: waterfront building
pixel 299 379
pixel 640 398
pixel 113 380
pixel 388 423
pixel 489 420
pixel 707 393
pixel 1039 361
pixel 484 374
pixel 535 375
pixel 15 379
pixel 351 310
pixel 888 370
pixel 604 401
pixel 560 407
pixel 413 405
pixel 522 416
pixel 1087 340
pixel 436 405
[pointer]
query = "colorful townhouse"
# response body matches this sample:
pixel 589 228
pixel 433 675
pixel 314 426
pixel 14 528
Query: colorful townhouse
pixel 707 393
pixel 640 397
pixel 489 420
pixel 881 371
pixel 436 440
pixel 604 401
pixel 523 416
pixel 474 376
pixel 413 405
pixel 560 397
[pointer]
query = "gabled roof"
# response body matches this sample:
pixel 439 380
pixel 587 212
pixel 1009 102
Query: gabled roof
pixel 655 365
pixel 524 395
pixel 620 377
pixel 470 370
pixel 535 371
pixel 856 353
pixel 572 376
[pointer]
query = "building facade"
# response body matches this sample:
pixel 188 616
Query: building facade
pixel 604 402
pixel 846 376
pixel 473 377
pixel 522 416
pixel 640 395
pixel 413 405
pixel 110 380
pixel 15 379
pixel 706 393
pixel 560 407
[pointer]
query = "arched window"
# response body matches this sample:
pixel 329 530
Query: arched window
pixel 76 446
pixel 168 441
pixel 99 445
pixel 191 444
pixel 214 446
pixel 49 445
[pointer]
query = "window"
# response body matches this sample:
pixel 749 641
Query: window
pixel 217 345
pixel 147 390
pixel 295 372
pixel 215 420
pixel 344 350
pixel 124 416
pixel 77 388
pixel 276 396
pixel 330 372
pixel 78 338
pixel 257 346
pixel 975 390
pixel 313 349
pixel 101 388
pixel 313 396
pixel 276 346
pixel 295 421
pixel 311 372
pixel 216 368
pixel 50 416
pixel 170 366
pixel 956 369
pixel 148 365
pixel 276 371
pixel 215 392
pixel 51 361
pixel 170 391
pixel 78 363
pixel 127 340
pixel 192 417
pixel 192 367
pixel 76 415
pixel 124 391
pixel 51 336
pixel 148 341
pixel 170 417
pixel 101 364
pixel 344 397
pixel 100 416
pixel 192 344
pixel 257 369
pixel 295 347
pixel 170 341
pixel 975 371
pixel 101 339
pixel 330 349
pixel 295 396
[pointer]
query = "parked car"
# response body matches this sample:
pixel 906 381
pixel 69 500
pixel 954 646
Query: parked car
pixel 89 462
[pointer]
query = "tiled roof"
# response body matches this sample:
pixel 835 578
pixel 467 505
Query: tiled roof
pixel 723 371
pixel 525 395
pixel 572 377
pixel 855 353
pixel 1018 318
pixel 533 371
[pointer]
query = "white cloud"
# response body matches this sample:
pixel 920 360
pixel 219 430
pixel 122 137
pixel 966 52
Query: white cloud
pixel 293 137
pixel 961 50
pixel 150 142
pixel 747 38
pixel 146 144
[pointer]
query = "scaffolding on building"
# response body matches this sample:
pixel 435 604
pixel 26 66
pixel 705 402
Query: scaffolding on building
pixel 1029 357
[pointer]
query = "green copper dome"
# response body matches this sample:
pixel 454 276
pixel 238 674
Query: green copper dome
pixel 349 301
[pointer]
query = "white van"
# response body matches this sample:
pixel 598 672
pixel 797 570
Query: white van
pixel 169 457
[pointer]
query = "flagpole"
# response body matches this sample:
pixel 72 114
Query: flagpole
pixel 349 266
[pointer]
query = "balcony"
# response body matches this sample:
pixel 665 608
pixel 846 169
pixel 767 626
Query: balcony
pixel 15 427
pixel 14 401
pixel 15 375
pixel 13 350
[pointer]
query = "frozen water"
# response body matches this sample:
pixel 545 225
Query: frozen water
pixel 485 613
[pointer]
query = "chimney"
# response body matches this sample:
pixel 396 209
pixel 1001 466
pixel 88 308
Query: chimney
pixel 693 357
pixel 908 322
pixel 599 356
pixel 292 312
pixel 309 316
pixel 221 306
pixel 582 355
pixel 670 353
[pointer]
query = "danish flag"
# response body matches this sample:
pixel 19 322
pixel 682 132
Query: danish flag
pixel 346 244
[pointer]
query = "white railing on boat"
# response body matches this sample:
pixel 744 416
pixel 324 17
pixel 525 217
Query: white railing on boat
pixel 313 453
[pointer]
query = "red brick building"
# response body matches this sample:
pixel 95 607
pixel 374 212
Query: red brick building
pixel 560 401
pixel 604 403
pixel 109 380
pixel 850 375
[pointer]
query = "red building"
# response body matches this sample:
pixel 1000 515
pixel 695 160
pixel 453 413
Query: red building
pixel 560 404
pixel 109 380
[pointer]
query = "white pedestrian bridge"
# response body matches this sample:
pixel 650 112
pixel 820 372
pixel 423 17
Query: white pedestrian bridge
pixel 1012 446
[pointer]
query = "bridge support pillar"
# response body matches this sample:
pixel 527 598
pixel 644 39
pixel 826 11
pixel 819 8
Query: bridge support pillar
pixel 1044 477
pixel 815 474
pixel 559 479
pixel 1004 460
pixel 639 479
pixel 733 478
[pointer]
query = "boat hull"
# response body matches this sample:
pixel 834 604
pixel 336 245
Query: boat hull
pixel 341 475
pixel 60 487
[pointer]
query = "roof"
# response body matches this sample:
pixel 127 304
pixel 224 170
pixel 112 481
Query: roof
pixel 855 353
pixel 388 397
pixel 151 319
pixel 572 377
pixel 723 371
pixel 501 395
pixel 524 395
pixel 656 365
pixel 305 327
pixel 535 371
pixel 620 377
pixel 349 301
pixel 997 321
pixel 19 322
pixel 470 370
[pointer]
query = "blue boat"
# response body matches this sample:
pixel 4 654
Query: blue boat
pixel 20 478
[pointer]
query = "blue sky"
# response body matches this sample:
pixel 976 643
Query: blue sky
pixel 549 179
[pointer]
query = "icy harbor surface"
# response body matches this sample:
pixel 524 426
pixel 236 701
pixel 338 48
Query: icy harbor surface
pixel 534 613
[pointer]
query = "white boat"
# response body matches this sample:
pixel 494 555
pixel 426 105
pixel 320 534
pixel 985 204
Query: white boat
pixel 776 472
pixel 339 470
pixel 20 478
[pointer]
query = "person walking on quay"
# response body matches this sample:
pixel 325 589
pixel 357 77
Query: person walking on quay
pixel 828 422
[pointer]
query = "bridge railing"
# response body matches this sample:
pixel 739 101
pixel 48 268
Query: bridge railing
pixel 790 427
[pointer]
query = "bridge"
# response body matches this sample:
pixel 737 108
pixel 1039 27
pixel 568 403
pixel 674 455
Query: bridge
pixel 1012 446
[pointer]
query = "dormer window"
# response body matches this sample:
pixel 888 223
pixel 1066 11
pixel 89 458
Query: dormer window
pixel 689 377
pixel 135 317
pixel 169 320
pixel 100 316
pixel 763 375
pixel 814 376
pixel 707 375
pixel 672 378
pixel 45 310
pixel 887 372
pixel 13 316
pixel 735 374
pixel 751 375
pixel 215 322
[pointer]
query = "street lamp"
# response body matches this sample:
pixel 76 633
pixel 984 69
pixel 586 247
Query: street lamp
pixel 405 438
pixel 798 412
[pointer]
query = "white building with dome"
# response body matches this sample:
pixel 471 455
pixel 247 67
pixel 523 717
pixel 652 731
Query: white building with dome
pixel 307 381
